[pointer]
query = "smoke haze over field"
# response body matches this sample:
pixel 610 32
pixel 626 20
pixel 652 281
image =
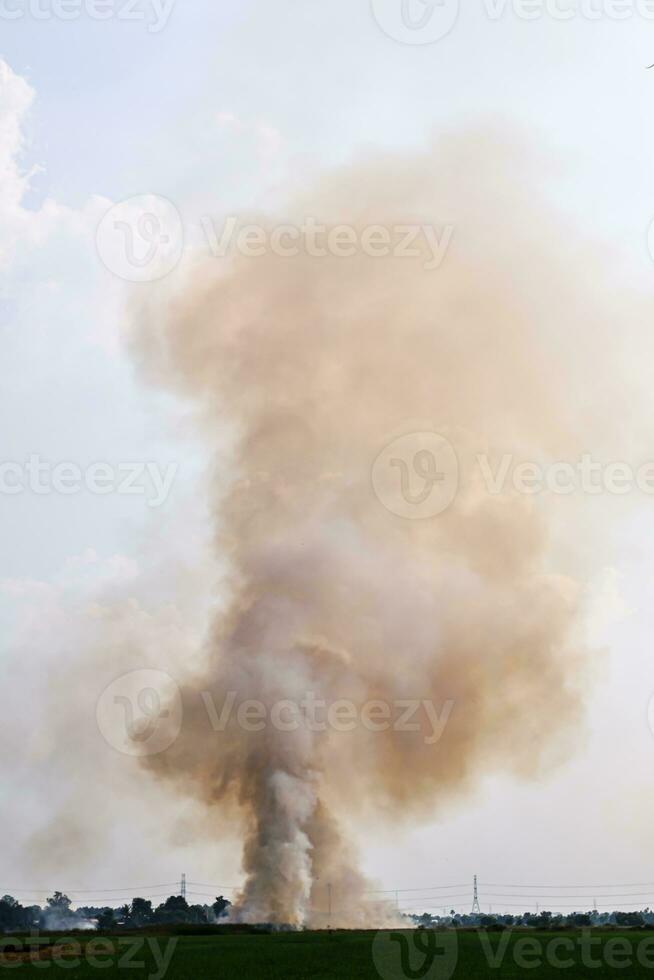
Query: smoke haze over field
pixel 313 365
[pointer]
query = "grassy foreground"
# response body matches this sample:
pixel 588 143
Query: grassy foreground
pixel 240 955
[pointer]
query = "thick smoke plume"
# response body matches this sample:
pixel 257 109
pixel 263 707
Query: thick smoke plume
pixel 303 370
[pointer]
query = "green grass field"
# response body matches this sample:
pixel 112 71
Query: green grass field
pixel 232 955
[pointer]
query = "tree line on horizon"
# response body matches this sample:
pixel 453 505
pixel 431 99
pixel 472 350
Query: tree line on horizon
pixel 539 920
pixel 59 914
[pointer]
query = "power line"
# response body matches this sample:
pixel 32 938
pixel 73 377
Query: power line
pixel 379 891
pixel 577 908
pixel 88 891
pixel 203 884
pixel 533 897
pixel 443 893
pixel 441 898
pixel 632 884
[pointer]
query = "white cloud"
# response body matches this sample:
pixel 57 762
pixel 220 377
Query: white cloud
pixel 19 226
pixel 47 254
pixel 267 139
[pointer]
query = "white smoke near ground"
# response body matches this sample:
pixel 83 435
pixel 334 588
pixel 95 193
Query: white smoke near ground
pixel 55 921
pixel 308 367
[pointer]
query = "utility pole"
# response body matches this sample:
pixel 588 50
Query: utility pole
pixel 475 901
pixel 329 905
pixel 182 889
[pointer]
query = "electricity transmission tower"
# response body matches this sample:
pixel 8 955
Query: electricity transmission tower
pixel 475 900
pixel 182 889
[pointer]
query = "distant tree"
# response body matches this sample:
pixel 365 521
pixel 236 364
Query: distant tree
pixel 59 902
pixel 57 913
pixel 220 906
pixel 174 909
pixel 176 903
pixel 141 912
pixel 7 914
pixel 106 919
pixel 197 914
pixel 629 919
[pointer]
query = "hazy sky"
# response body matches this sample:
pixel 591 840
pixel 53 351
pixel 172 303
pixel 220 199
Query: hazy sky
pixel 219 108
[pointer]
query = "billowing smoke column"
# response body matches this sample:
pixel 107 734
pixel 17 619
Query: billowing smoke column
pixel 303 370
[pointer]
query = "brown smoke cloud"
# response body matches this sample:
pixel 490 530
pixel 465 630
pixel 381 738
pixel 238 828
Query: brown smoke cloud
pixel 302 371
